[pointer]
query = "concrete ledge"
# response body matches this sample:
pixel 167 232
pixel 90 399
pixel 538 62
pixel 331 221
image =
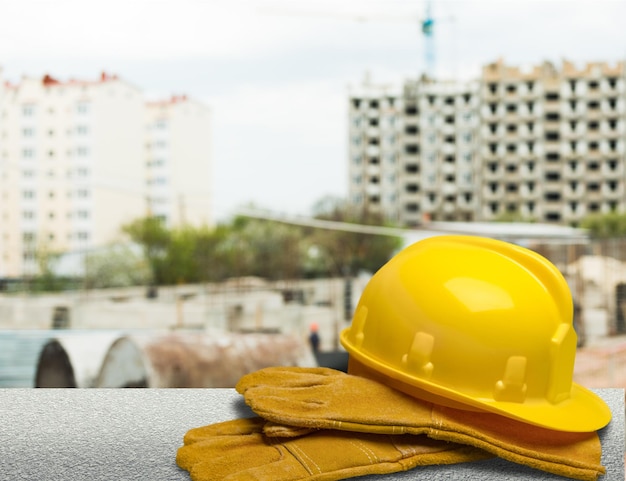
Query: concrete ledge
pixel 133 434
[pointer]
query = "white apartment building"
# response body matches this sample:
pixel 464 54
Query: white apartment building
pixel 73 165
pixel 542 143
pixel 178 161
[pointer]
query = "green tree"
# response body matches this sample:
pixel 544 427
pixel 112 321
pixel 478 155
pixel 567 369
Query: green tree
pixel 514 216
pixel 154 238
pixel 118 265
pixel 47 280
pixel 264 248
pixel 210 253
pixel 349 252
pixel 603 226
pixel 179 265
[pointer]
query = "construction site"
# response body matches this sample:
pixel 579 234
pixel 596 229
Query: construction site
pixel 209 335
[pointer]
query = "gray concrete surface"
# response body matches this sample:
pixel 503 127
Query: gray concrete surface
pixel 133 434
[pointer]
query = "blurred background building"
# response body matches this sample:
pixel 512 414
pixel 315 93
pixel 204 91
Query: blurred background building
pixel 543 144
pixel 178 161
pixel 78 159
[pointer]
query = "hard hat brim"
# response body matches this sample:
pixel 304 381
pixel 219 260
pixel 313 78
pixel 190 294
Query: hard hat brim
pixel 583 411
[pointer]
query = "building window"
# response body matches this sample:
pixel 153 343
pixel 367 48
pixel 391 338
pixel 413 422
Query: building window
pixel 28 153
pixel 82 108
pixel 552 136
pixel 593 165
pixel 412 149
pixel 28 110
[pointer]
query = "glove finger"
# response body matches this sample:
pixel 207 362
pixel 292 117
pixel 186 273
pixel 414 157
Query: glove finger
pixel 209 462
pixel 291 377
pixel 234 428
pixel 237 437
pixel 341 406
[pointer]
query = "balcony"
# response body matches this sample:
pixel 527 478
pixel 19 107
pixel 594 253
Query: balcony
pixel 612 193
pixel 612 168
pixel 574 174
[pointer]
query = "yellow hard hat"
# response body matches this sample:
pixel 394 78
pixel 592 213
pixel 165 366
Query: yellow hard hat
pixel 475 323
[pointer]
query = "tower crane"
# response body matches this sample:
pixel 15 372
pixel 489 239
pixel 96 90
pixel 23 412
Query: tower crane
pixel 426 24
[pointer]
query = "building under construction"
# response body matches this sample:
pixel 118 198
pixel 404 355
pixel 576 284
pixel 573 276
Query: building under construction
pixel 543 144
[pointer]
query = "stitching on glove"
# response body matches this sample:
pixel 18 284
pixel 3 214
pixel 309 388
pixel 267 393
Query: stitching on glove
pixel 300 455
pixel 365 450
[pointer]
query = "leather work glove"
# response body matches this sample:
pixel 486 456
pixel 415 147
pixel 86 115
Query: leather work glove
pixel 239 450
pixel 322 398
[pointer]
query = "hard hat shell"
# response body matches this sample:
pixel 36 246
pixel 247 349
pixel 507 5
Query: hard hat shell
pixel 475 323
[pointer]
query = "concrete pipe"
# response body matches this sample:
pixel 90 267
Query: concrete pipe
pixel 72 360
pixel 197 359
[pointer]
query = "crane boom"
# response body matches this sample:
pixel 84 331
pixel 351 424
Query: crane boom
pixel 425 22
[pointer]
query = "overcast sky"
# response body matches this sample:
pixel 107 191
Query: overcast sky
pixel 276 73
